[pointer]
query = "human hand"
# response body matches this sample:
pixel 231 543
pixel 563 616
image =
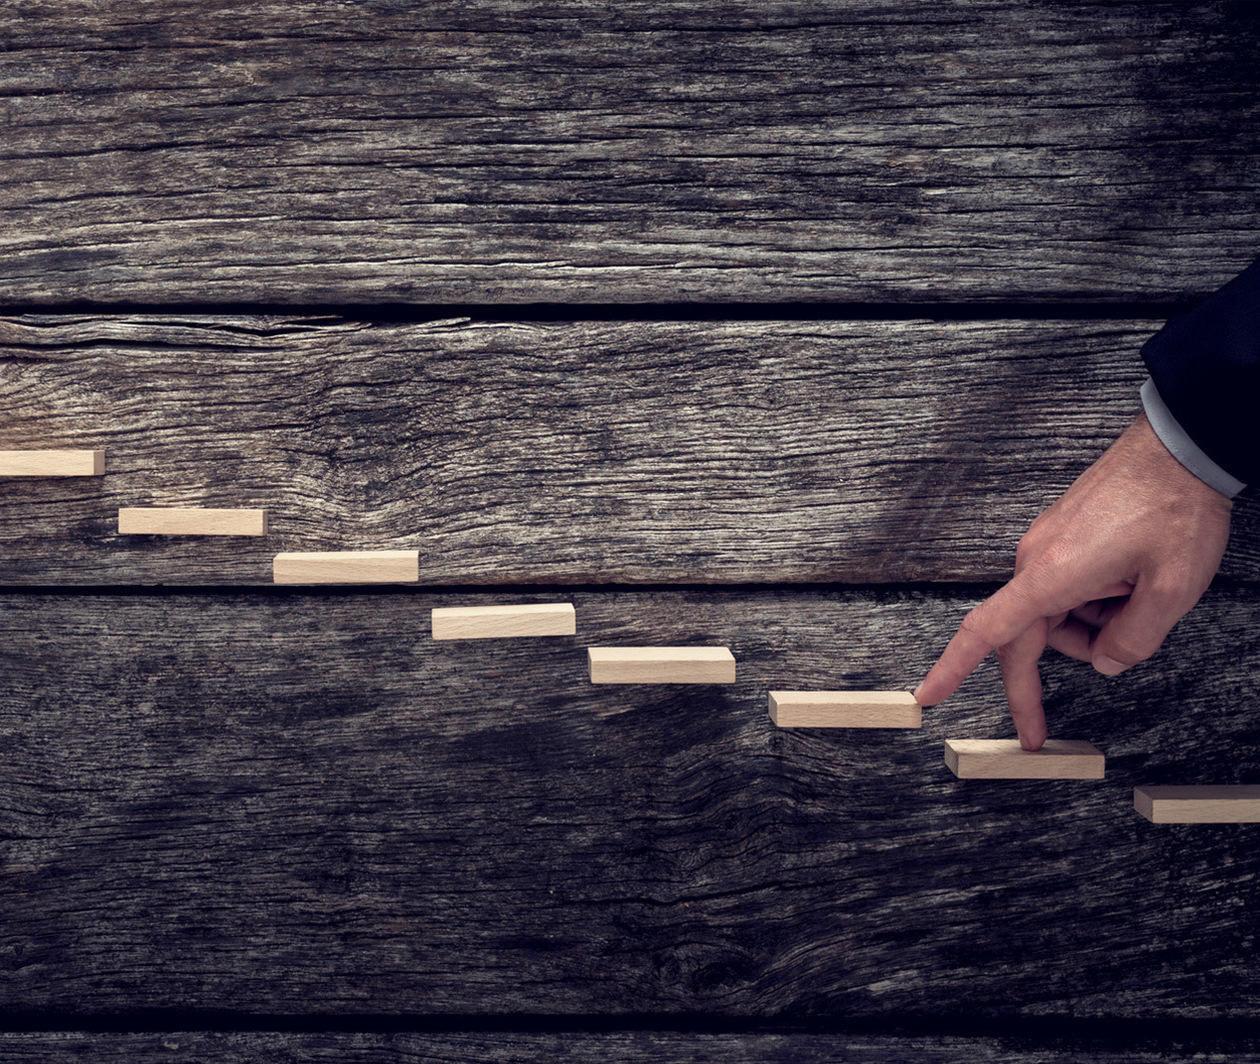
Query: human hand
pixel 1102 576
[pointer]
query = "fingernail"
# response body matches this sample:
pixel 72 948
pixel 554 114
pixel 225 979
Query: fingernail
pixel 1109 666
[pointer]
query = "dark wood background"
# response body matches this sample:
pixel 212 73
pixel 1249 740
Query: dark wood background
pixel 769 324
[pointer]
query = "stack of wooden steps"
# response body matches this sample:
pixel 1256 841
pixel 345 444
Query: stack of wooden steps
pixel 966 758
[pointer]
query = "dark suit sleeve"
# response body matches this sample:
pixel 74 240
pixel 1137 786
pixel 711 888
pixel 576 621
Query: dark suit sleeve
pixel 1205 366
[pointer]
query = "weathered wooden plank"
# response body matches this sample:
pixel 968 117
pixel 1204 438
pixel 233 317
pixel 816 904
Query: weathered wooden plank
pixel 628 1047
pixel 498 151
pixel 279 803
pixel 565 452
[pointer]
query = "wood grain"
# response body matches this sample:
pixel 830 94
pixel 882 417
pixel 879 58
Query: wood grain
pixel 560 453
pixel 283 803
pixel 282 151
pixel 622 1047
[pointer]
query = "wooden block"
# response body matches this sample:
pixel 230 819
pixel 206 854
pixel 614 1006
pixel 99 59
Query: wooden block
pixel 845 709
pixel 495 622
pixel 1005 759
pixel 348 567
pixel 1222 804
pixel 190 521
pixel 52 463
pixel 661 665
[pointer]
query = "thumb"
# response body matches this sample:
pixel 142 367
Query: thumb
pixel 1140 627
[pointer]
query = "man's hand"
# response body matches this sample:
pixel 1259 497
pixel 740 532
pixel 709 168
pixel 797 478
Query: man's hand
pixel 1102 576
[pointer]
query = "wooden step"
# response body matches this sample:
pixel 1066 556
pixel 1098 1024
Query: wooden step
pixel 496 622
pixel 1005 759
pixel 661 665
pixel 190 521
pixel 1213 804
pixel 845 709
pixel 347 567
pixel 52 463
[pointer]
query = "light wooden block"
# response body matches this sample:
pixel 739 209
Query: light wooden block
pixel 1221 804
pixel 496 622
pixel 1005 759
pixel 52 463
pixel 348 567
pixel 661 665
pixel 845 709
pixel 190 521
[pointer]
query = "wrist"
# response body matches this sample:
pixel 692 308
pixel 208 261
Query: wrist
pixel 1159 464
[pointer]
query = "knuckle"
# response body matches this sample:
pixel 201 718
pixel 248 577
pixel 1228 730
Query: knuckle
pixel 1025 551
pixel 1055 558
pixel 1178 587
pixel 976 622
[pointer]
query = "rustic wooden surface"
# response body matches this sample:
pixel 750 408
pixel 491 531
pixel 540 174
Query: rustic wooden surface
pixel 291 151
pixel 565 452
pixel 297 803
pixel 632 1047
pixel 272 254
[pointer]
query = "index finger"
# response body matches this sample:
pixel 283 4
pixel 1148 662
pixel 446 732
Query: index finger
pixel 996 621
